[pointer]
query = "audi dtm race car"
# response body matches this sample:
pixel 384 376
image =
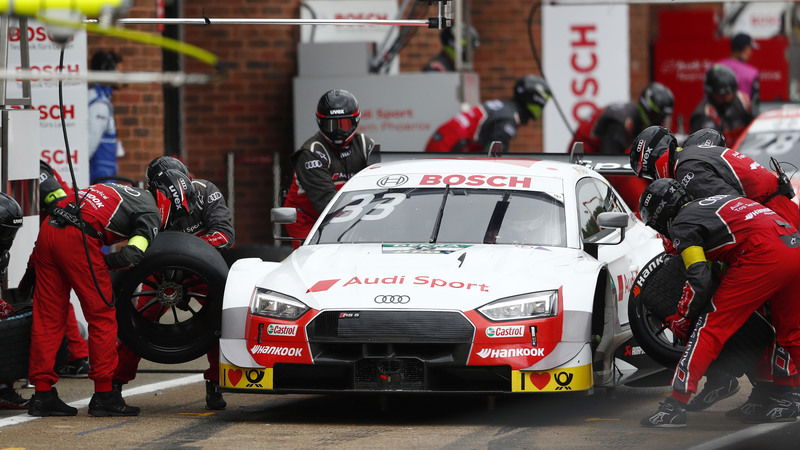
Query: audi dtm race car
pixel 445 275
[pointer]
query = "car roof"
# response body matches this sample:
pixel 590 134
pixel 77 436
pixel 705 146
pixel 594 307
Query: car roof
pixel 542 175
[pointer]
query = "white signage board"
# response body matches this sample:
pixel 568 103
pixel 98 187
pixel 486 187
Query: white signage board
pixel 44 58
pixel 586 62
pixel 761 20
pixel 347 9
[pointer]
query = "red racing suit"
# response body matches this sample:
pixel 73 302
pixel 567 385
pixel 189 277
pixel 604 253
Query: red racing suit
pixel 762 252
pixel 731 121
pixel 474 130
pixel 611 130
pixel 320 170
pixel 705 171
pixel 211 220
pixel 110 213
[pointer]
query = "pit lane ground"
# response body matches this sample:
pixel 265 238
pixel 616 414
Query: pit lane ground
pixel 173 416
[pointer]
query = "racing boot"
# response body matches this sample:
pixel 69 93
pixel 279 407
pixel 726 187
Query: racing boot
pixel 671 414
pixel 780 407
pixel 754 406
pixel 10 399
pixel 214 398
pixel 47 403
pixel 716 388
pixel 104 404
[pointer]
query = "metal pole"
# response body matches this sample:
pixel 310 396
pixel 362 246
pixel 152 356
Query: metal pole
pixel 276 193
pixel 252 21
pixel 458 36
pixel 25 59
pixel 4 57
pixel 230 159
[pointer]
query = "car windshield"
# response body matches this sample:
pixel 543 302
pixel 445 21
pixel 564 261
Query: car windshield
pixel 445 215
pixel 778 138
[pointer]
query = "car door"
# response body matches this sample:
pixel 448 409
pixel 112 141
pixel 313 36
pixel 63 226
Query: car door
pixel 594 197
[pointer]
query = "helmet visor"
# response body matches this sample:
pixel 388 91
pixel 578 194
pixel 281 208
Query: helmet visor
pixel 336 125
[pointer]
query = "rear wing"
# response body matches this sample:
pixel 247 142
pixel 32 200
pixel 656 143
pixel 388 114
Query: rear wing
pixel 602 164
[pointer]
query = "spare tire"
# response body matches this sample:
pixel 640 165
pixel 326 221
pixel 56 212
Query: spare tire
pixel 169 306
pixel 15 333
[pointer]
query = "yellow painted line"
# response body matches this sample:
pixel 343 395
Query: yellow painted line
pixel 13 448
pixel 197 414
pixel 601 419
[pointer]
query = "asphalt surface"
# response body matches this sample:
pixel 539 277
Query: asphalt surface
pixel 173 416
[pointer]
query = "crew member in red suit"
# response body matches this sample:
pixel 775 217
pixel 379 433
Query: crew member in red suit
pixel 762 254
pixel 474 131
pixel 103 215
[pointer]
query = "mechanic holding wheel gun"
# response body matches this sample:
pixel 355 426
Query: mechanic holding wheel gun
pixel 327 160
pixel 67 241
pixel 201 210
pixel 762 253
pixel 705 167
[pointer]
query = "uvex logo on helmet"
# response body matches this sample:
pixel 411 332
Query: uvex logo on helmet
pixel 337 111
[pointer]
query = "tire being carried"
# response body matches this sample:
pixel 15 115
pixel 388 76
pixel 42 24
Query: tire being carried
pixel 169 305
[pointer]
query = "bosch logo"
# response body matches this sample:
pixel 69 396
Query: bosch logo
pixel 393 299
pixel 393 180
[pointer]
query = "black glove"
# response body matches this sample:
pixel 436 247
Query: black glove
pixel 126 258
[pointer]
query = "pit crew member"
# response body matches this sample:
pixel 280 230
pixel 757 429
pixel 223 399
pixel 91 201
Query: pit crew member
pixel 109 213
pixel 204 214
pixel 445 60
pixel 610 130
pixel 328 159
pixel 762 253
pixel 10 221
pixel 724 108
pixel 473 131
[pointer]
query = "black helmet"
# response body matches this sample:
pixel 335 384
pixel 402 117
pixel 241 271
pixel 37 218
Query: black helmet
pixel 448 39
pixel 172 190
pixel 648 146
pixel 660 203
pixel 705 137
pixel 161 164
pixel 720 85
pixel 338 116
pixel 657 102
pixel 531 94
pixel 50 190
pixel 10 220
pixel 105 60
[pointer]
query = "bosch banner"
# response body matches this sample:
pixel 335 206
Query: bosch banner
pixel 44 58
pixel 586 59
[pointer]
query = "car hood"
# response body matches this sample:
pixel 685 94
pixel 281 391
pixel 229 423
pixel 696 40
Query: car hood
pixel 453 277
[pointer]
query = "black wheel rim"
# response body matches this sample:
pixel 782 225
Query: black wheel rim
pixel 659 330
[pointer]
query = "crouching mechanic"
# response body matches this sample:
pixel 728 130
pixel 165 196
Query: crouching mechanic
pixel 326 161
pixel 202 212
pixel 762 252
pixel 705 167
pixel 105 214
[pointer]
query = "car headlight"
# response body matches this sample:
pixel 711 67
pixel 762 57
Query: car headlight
pixel 276 305
pixel 525 306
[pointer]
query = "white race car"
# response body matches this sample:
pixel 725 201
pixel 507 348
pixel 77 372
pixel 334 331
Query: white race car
pixel 445 275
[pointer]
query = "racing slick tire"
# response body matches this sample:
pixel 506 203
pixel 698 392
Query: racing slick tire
pixel 169 305
pixel 655 295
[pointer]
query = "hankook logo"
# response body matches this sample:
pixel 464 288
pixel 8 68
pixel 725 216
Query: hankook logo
pixel 393 180
pixel 395 299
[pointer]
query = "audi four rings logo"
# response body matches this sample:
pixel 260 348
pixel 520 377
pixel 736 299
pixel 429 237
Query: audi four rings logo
pixel 395 299
pixel 393 180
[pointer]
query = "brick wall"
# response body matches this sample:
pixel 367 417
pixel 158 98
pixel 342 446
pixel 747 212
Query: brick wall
pixel 138 108
pixel 250 111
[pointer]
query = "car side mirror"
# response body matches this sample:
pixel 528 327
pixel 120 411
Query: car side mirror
pixel 283 215
pixel 612 229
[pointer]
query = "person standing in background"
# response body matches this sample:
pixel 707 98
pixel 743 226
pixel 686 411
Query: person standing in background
pixel 747 76
pixel 104 146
